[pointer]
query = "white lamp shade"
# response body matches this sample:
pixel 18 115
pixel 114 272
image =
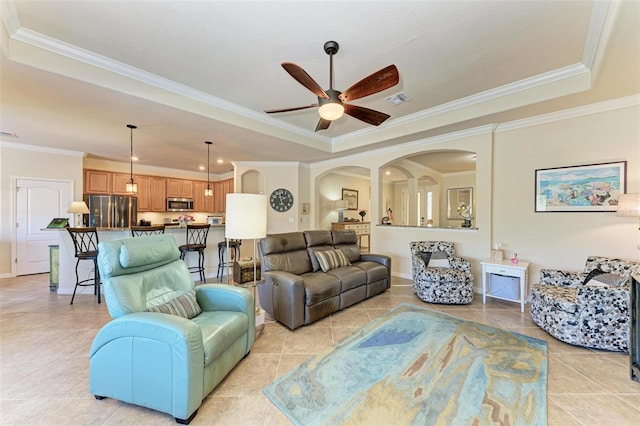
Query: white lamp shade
pixel 246 216
pixel 341 205
pixel 78 207
pixel 629 205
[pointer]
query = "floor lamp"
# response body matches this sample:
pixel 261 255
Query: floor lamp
pixel 246 218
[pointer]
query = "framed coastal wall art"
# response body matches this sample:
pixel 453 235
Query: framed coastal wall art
pixel 587 188
pixel 351 197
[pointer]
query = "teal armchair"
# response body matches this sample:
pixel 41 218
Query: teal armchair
pixel 166 362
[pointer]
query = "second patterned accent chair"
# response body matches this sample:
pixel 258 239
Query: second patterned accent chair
pixel 594 313
pixel 438 275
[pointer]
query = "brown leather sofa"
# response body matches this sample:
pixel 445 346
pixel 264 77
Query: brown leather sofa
pixel 296 291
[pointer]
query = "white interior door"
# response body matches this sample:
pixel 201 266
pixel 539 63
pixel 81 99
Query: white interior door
pixel 37 202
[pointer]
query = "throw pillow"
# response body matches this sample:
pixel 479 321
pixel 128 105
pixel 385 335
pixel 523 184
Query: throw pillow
pixel 439 259
pixel 608 280
pixel 185 306
pixel 331 259
pixel 594 272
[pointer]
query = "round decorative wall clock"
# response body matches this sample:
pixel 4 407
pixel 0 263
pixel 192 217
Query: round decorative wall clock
pixel 281 200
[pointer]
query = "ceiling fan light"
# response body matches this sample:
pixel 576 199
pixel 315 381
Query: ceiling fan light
pixel 331 111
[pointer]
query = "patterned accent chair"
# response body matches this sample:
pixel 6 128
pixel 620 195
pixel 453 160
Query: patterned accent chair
pixel 449 285
pixel 585 314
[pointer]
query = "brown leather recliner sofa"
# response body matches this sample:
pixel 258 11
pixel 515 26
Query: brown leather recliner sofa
pixel 297 291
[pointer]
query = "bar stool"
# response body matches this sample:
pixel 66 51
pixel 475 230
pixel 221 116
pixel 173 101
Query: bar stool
pixel 138 231
pixel 85 242
pixel 196 242
pixel 234 248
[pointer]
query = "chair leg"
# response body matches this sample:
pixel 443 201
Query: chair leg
pixel 186 421
pixel 220 272
pixel 203 278
pixel 96 278
pixel 77 280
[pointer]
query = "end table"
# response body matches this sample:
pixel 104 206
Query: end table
pixel 505 268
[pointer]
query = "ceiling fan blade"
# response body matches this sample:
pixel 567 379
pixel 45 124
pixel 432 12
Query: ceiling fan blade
pixel 376 82
pixel 305 79
pixel 367 115
pixel 323 124
pixel 272 111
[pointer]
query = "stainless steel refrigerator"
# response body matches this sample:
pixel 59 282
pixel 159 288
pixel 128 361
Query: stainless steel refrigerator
pixel 112 211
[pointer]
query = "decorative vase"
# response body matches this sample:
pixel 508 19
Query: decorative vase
pixel 362 215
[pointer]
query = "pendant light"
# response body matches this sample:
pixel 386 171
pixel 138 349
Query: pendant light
pixel 208 192
pixel 131 186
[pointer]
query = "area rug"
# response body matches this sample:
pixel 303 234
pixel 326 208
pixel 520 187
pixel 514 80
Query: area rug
pixel 417 366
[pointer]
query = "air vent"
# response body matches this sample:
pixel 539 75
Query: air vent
pixel 8 135
pixel 398 98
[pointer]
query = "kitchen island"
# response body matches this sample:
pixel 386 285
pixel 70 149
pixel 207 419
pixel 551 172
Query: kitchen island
pixel 67 259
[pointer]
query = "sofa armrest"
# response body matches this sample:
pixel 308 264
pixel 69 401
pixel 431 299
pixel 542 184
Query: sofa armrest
pixel 134 351
pixel 561 278
pixel 460 263
pixel 378 258
pixel 282 295
pixel 223 297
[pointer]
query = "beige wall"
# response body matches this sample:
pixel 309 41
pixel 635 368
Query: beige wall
pixel 564 240
pixel 277 175
pixel 504 189
pixel 330 190
pixel 22 162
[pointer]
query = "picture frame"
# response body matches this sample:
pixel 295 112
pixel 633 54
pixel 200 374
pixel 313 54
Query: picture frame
pixel 351 197
pixel 458 200
pixel 584 188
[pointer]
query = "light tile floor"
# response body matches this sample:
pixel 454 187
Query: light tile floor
pixel 44 346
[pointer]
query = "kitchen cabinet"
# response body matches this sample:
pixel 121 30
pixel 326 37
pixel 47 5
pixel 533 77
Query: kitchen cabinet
pixel 119 182
pixel 97 182
pixel 200 202
pixel 151 193
pixel 220 191
pixel 179 188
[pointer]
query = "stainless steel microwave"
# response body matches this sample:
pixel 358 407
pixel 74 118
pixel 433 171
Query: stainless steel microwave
pixel 179 204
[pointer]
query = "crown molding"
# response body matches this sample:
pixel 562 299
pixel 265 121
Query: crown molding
pixel 604 106
pixel 41 149
pixel 601 24
pixel 265 163
pixel 68 50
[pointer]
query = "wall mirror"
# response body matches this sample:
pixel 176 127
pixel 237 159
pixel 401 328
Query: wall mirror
pixel 458 200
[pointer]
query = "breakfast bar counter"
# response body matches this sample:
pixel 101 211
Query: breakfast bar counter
pixel 67 260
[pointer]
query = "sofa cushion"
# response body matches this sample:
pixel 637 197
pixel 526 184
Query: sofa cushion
pixel 283 243
pixel 315 265
pixel 319 286
pixel 375 271
pixel 344 237
pixel 608 280
pixel 349 276
pixel 184 306
pixel 435 259
pixel 351 250
pixel 295 262
pixel 594 272
pixel 318 238
pixel 219 330
pixel 332 259
pixel 558 297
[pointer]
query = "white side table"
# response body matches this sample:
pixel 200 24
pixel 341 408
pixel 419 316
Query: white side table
pixel 506 268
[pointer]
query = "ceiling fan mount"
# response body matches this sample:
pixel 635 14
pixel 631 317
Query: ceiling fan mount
pixel 331 47
pixel 333 103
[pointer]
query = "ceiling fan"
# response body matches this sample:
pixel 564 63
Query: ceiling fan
pixel 334 103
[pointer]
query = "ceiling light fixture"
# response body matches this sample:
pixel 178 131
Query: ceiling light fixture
pixel 208 192
pixel 332 108
pixel 131 186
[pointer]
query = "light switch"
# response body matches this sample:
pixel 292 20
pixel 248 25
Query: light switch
pixel 291 220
